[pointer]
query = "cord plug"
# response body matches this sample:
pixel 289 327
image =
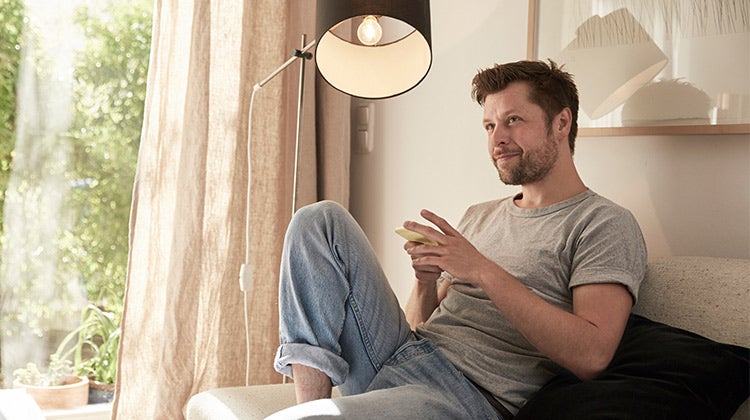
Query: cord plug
pixel 246 277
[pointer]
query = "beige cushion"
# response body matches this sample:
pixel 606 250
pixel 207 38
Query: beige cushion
pixel 706 295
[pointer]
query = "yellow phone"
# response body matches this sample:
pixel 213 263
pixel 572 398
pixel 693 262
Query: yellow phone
pixel 414 236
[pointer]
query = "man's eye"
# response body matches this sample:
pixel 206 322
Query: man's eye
pixel 512 120
pixel 489 127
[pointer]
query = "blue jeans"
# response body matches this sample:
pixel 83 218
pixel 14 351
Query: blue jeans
pixel 337 313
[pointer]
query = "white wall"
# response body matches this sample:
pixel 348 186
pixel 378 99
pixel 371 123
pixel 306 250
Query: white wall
pixel 691 194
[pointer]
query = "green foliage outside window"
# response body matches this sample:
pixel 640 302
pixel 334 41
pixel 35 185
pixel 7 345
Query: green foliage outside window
pixel 109 87
pixel 109 95
pixel 11 24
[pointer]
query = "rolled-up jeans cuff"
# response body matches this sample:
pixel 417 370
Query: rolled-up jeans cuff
pixel 304 354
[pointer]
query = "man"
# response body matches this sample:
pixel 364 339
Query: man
pixel 526 285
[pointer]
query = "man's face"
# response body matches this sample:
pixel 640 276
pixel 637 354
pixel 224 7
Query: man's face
pixel 520 144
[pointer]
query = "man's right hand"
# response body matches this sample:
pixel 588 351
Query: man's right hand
pixel 427 274
pixel 426 293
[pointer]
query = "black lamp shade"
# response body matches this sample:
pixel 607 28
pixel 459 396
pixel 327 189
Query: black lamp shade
pixel 378 71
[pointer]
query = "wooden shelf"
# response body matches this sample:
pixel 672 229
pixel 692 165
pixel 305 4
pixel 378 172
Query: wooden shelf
pixel 666 130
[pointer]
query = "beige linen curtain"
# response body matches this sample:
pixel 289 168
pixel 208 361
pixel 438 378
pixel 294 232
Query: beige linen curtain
pixel 183 330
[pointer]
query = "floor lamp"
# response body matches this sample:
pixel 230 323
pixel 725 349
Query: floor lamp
pixel 388 54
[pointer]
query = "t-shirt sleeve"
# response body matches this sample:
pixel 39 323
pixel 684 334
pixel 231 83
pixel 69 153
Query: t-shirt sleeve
pixel 610 249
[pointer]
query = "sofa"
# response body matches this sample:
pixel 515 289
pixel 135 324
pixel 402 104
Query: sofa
pixel 708 296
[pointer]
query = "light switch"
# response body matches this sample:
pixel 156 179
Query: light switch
pixel 363 115
pixel 363 126
pixel 362 142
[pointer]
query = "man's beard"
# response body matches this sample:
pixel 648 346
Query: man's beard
pixel 532 166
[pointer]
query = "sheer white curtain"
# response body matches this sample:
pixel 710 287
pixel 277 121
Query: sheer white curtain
pixel 183 328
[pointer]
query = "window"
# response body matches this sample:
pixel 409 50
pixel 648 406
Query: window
pixel 72 90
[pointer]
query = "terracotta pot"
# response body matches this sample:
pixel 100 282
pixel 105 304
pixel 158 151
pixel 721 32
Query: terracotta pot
pixel 74 393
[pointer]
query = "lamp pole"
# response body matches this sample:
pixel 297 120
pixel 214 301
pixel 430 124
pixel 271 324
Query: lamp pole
pixel 300 94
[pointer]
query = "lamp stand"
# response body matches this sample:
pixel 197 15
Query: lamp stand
pixel 300 94
pixel 246 274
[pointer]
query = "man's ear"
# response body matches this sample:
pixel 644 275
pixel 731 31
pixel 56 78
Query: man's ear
pixel 562 122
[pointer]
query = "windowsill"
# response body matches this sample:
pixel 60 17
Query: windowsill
pixel 87 412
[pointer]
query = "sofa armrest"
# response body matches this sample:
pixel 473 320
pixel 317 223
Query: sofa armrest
pixel 242 402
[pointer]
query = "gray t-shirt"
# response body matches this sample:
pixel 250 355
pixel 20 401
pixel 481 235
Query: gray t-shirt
pixel 585 239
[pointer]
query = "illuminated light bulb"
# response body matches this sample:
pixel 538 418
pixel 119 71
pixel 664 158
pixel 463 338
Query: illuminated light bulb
pixel 369 31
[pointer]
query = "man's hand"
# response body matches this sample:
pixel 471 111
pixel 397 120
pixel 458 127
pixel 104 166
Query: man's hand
pixel 426 293
pixel 425 273
pixel 454 253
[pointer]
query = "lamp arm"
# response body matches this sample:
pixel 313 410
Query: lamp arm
pixel 297 54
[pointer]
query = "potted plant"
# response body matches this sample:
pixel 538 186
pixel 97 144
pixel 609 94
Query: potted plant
pixel 57 388
pixel 94 351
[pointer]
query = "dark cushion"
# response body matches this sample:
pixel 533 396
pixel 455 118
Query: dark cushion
pixel 658 372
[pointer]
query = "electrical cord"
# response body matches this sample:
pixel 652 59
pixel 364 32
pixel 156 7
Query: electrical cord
pixel 246 274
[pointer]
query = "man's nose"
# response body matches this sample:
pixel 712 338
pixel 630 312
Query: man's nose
pixel 499 136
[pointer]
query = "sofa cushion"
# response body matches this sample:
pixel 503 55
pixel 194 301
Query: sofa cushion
pixel 658 372
pixel 706 295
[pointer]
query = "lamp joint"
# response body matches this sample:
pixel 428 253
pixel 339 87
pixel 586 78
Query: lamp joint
pixel 300 54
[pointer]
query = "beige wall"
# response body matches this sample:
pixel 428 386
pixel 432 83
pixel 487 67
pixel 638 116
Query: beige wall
pixel 691 194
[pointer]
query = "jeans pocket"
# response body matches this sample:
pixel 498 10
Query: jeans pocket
pixel 412 349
